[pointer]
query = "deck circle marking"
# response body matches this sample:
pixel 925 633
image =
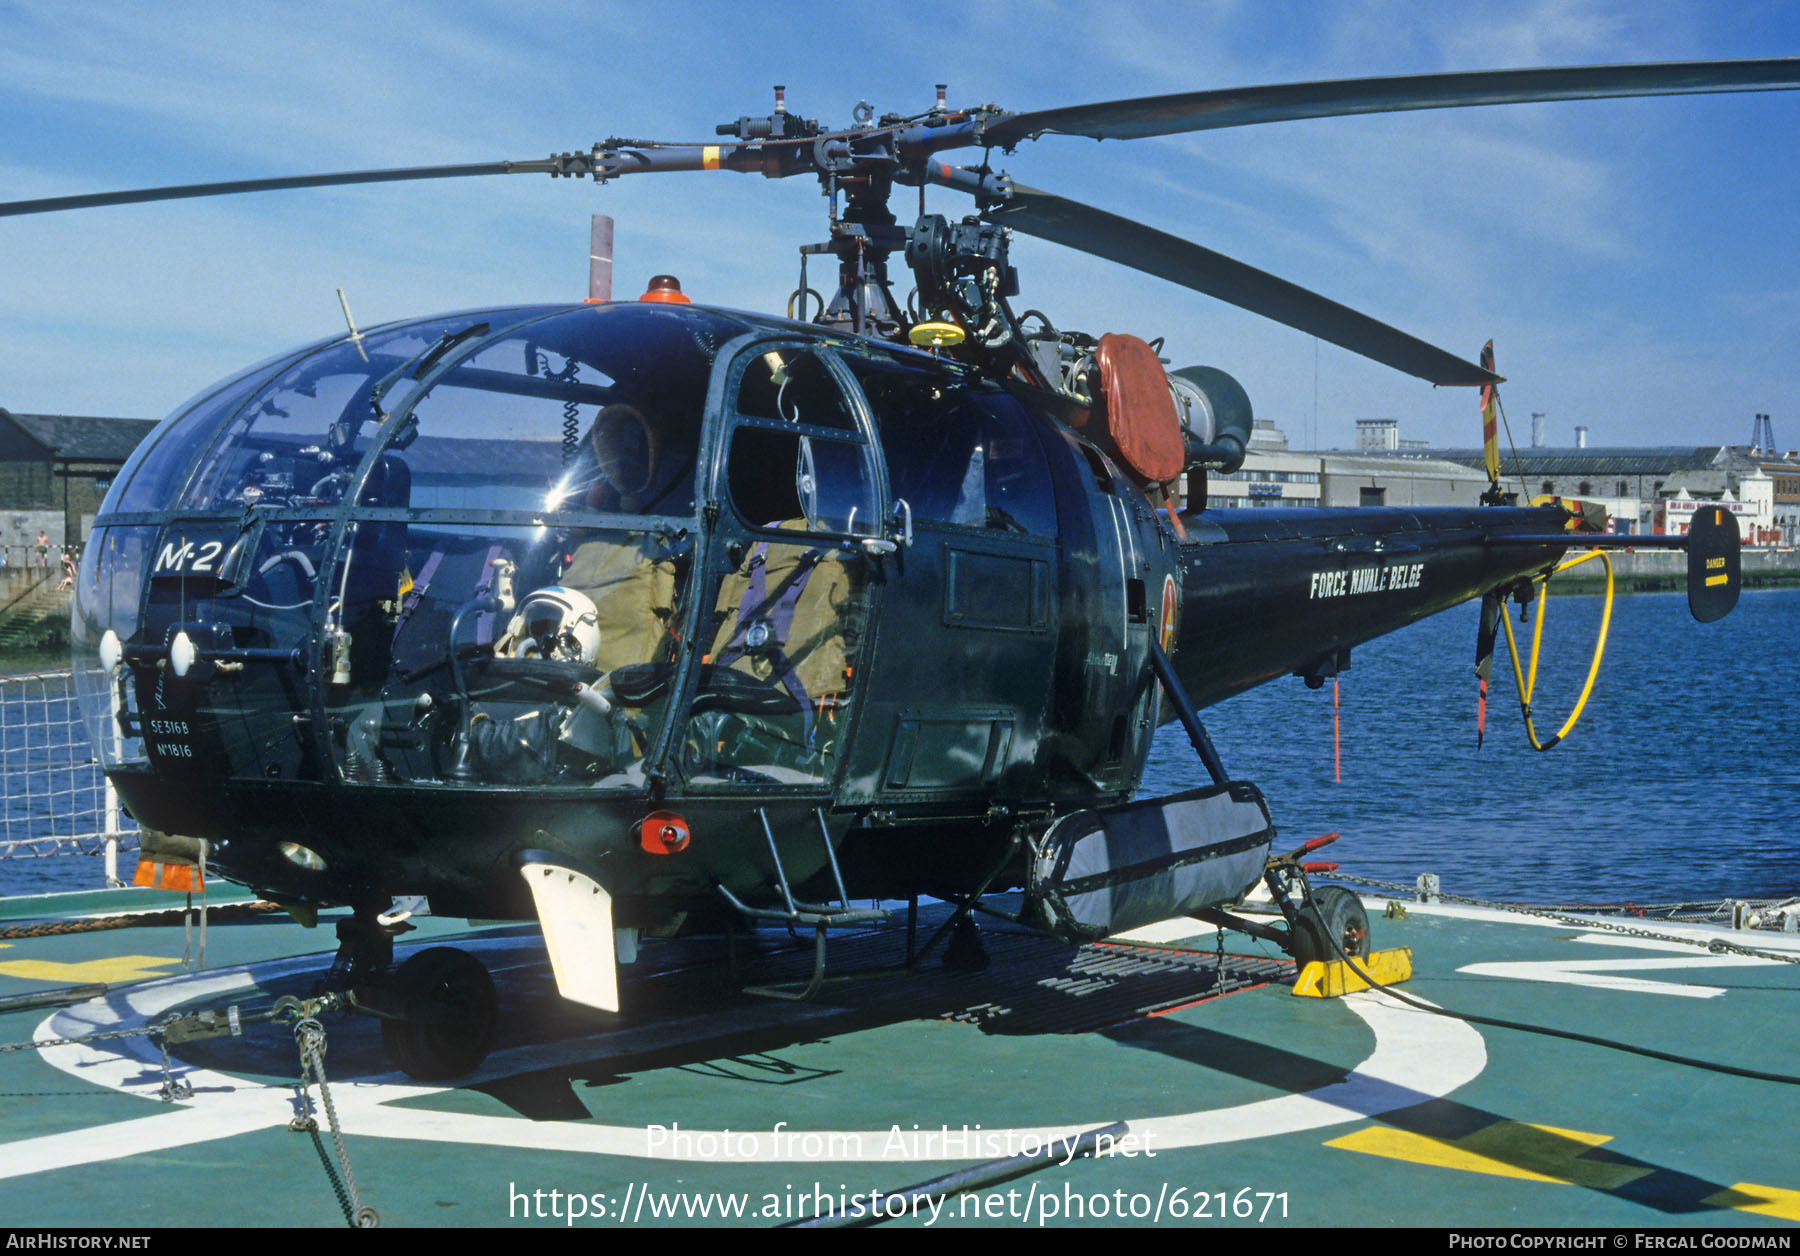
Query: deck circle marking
pixel 1417 1056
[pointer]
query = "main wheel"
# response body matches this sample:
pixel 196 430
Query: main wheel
pixel 1333 915
pixel 462 1009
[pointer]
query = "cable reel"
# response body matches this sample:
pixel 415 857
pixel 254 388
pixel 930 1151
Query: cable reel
pixel 1526 680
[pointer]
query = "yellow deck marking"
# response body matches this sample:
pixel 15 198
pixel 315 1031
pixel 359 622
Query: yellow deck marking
pixel 1536 1153
pixel 1543 1153
pixel 110 970
pixel 1770 1201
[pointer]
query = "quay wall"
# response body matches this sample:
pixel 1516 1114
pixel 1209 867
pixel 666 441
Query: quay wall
pixel 1653 571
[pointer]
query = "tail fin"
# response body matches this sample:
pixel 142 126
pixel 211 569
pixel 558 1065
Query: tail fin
pixel 1714 566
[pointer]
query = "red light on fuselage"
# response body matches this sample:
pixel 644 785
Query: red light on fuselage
pixel 663 833
pixel 665 288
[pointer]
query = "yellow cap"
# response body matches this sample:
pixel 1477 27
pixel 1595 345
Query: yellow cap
pixel 936 335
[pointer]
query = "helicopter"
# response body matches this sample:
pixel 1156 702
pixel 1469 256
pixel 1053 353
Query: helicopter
pixel 631 616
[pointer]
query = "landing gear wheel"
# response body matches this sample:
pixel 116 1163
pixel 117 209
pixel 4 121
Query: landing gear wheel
pixel 1333 915
pixel 460 1010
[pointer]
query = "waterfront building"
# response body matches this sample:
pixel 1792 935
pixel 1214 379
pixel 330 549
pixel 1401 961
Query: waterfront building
pixel 1359 479
pixel 54 473
pixel 1784 479
pixel 1644 488
pixel 1275 475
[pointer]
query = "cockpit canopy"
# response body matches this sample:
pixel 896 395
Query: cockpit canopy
pixel 471 550
pixel 591 409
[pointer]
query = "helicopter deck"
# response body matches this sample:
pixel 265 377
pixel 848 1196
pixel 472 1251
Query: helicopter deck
pixel 700 1104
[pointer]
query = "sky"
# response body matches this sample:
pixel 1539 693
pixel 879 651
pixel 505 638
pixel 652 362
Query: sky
pixel 1633 261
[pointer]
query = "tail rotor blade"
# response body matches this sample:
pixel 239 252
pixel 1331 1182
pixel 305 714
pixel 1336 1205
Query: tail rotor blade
pixel 1490 421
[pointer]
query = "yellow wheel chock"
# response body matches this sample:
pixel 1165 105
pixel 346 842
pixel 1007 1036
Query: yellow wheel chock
pixel 1330 979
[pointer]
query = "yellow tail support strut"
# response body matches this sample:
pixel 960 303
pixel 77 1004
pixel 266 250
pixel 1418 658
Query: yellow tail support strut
pixel 1527 680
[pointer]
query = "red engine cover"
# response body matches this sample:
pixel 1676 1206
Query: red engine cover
pixel 1140 411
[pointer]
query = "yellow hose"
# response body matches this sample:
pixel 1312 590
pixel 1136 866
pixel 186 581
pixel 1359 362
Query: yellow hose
pixel 1527 681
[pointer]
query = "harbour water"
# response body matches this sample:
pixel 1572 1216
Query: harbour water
pixel 1680 783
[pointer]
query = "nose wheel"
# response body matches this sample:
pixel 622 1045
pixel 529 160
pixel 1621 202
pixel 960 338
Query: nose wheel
pixel 447 1009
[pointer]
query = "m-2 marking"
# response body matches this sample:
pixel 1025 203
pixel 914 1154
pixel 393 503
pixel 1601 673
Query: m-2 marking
pixel 188 557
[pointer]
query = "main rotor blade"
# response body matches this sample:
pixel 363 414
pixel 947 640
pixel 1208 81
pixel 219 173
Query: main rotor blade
pixel 603 162
pixel 1283 102
pixel 51 204
pixel 1107 235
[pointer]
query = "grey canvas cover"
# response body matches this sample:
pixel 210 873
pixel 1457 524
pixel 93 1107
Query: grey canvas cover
pixel 1103 872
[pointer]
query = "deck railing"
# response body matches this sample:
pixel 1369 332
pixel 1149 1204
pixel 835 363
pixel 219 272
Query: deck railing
pixel 54 800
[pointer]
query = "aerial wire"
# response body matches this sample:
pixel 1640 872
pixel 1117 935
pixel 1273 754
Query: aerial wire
pixel 1518 466
pixel 1337 760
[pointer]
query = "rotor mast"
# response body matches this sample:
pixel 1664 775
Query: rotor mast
pixel 859 165
pixel 861 239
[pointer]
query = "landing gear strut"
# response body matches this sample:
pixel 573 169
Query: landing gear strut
pixel 365 945
pixel 965 953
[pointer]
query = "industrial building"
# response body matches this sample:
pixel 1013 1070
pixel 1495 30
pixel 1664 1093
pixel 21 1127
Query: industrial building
pixel 1645 489
pixel 1397 480
pixel 54 473
pixel 1274 475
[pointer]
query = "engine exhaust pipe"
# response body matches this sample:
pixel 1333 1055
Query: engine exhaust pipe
pixel 1219 421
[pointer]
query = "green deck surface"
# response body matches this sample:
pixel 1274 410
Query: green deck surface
pixel 1471 1126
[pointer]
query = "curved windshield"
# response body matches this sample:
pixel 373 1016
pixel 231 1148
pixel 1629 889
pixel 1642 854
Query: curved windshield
pixel 158 467
pixel 285 434
pixel 597 408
